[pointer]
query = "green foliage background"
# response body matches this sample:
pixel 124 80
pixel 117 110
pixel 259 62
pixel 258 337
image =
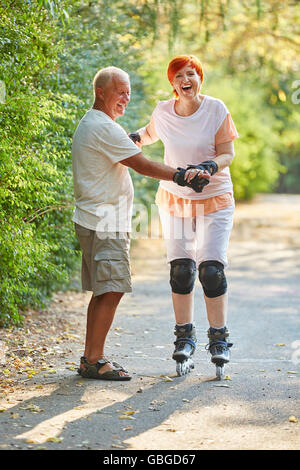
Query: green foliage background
pixel 49 53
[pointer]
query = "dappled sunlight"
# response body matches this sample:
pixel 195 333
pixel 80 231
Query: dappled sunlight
pixel 32 392
pixel 51 428
pixel 207 427
pixel 250 409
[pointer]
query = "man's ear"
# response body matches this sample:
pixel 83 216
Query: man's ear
pixel 99 92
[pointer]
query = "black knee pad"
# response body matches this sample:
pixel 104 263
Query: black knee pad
pixel 212 278
pixel 182 275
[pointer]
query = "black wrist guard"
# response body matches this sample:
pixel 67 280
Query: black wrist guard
pixel 178 177
pixel 135 137
pixel 197 183
pixel 209 165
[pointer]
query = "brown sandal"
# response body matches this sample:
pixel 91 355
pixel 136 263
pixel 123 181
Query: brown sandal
pixel 91 371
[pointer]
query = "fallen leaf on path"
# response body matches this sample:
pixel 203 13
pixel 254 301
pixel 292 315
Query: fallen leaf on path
pixel 128 428
pixel 33 408
pixel 55 439
pixel 293 419
pixel 158 402
pixel 279 344
pixel 168 379
pixel 126 417
pixel 72 336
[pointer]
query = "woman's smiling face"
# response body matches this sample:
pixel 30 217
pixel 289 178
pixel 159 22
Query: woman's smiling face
pixel 187 82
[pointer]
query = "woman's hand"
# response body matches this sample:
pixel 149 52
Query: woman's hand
pixel 193 172
pixel 196 178
pixel 136 138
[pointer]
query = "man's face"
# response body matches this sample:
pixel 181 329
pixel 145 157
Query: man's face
pixel 116 96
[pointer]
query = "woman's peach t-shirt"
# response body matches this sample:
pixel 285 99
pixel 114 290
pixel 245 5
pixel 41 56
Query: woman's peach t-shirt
pixel 192 140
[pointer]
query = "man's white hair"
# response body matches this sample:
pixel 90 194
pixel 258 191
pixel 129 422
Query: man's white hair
pixel 104 76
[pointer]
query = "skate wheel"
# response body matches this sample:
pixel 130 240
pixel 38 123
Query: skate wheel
pixel 220 372
pixel 183 368
pixel 179 369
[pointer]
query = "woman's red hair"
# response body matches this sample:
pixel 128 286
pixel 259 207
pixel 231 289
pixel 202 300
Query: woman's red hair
pixel 181 61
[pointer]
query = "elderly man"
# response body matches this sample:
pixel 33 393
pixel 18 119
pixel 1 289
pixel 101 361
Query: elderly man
pixel 101 153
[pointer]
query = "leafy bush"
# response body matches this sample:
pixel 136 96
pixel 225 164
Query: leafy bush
pixel 36 250
pixel 47 70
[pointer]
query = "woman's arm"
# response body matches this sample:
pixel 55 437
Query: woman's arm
pixel 148 134
pixel 224 155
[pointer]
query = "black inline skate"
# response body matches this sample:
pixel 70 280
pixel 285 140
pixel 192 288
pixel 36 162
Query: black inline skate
pixel 219 349
pixel 185 346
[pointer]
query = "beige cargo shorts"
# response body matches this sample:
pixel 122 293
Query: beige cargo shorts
pixel 105 261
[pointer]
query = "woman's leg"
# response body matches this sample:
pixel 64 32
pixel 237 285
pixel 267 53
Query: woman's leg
pixel 180 240
pixel 212 246
pixel 179 234
pixel 216 309
pixel 183 307
pixel 212 260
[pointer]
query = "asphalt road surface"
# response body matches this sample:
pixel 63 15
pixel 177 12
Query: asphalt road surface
pixel 257 405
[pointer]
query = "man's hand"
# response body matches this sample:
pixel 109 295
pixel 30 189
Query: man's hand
pixel 195 178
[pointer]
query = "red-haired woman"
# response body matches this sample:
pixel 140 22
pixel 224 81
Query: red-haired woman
pixel 196 130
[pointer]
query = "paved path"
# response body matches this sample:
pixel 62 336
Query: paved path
pixel 252 409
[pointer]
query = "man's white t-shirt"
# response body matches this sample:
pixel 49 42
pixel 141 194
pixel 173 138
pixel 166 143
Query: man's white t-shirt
pixel 103 187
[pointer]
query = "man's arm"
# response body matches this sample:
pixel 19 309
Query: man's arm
pixel 142 165
pixel 160 171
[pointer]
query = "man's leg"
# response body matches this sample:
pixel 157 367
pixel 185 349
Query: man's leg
pixel 100 315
